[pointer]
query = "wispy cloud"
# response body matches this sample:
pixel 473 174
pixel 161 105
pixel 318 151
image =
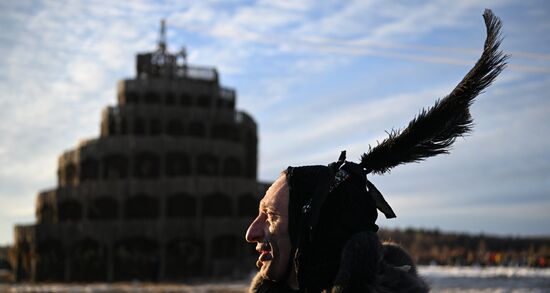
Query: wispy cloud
pixel 317 76
pixel 58 73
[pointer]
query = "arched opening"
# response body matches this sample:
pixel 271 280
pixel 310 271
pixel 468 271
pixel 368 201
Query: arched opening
pixel 186 100
pixel 224 247
pixel 141 206
pixel 132 97
pixel 170 98
pixel 46 213
pixel 223 250
pixel 218 130
pixel 88 261
pixel 204 101
pixel 177 164
pixel 123 126
pixel 225 132
pixel 89 169
pixel 146 165
pixel 234 133
pixel 69 210
pixel 23 263
pixel 247 206
pixel 139 126
pixel 155 126
pixel 103 208
pixel 217 205
pixel 181 205
pixel 70 174
pixel 50 263
pixel 115 167
pixel 251 151
pixel 136 258
pixel 232 167
pixel 152 98
pixel 185 258
pixel 112 127
pixel 197 129
pixel 175 127
pixel 207 164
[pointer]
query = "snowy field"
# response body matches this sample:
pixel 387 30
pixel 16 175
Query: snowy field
pixel 493 279
pixel 442 279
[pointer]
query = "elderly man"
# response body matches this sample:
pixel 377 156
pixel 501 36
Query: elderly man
pixel 324 237
pixel 270 231
pixel 316 231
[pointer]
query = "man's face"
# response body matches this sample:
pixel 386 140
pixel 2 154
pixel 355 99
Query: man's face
pixel 270 232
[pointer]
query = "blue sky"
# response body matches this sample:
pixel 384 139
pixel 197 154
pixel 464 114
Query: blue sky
pixel 318 76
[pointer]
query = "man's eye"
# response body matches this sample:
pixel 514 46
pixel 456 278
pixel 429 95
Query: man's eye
pixel 272 216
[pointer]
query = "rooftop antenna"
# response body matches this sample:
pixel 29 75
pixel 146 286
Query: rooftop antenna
pixel 183 54
pixel 162 36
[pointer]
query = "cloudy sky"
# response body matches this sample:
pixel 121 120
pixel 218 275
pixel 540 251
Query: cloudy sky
pixel 318 76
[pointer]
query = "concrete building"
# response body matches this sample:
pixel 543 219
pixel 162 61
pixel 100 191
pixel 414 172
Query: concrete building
pixel 165 193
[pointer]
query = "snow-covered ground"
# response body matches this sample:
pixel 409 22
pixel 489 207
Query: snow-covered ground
pixel 442 279
pixel 491 279
pixel 137 287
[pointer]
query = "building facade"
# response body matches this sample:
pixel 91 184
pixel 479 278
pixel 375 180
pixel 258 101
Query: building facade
pixel 166 191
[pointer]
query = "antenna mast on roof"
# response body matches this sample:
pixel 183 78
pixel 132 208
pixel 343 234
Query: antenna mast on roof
pixel 162 36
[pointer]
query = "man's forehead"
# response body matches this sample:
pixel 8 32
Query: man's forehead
pixel 277 195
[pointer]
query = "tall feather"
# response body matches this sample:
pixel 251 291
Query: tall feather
pixel 433 131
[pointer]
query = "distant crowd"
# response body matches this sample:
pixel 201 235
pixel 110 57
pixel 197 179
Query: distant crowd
pixel 435 247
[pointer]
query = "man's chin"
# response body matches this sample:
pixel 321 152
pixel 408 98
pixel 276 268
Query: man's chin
pixel 268 272
pixel 265 271
pixel 264 267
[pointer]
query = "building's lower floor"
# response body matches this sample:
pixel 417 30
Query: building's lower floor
pixel 132 250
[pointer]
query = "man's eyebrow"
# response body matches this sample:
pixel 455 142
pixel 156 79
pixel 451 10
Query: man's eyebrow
pixel 263 205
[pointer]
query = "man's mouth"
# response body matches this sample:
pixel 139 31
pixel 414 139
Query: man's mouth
pixel 265 253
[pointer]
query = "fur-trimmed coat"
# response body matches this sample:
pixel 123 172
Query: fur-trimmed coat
pixel 366 266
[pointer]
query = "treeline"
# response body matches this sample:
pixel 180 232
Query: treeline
pixel 435 247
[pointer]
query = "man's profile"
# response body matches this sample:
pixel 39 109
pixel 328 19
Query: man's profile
pixel 270 233
pixel 316 226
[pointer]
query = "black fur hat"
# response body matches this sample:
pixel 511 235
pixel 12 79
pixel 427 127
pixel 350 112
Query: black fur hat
pixel 329 204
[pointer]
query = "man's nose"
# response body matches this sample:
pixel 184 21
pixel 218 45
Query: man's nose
pixel 255 231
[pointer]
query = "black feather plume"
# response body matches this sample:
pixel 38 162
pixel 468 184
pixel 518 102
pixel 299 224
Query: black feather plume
pixel 433 131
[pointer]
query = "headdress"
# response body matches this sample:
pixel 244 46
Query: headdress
pixel 329 204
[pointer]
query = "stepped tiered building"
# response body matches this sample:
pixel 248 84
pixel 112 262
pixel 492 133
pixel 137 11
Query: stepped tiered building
pixel 165 193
